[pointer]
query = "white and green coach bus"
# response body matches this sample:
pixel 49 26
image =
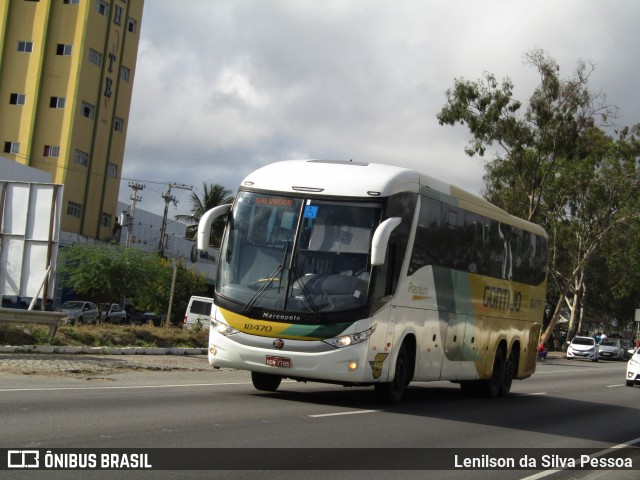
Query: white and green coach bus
pixel 365 274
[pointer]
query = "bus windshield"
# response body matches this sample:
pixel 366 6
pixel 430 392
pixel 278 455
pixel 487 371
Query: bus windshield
pixel 287 254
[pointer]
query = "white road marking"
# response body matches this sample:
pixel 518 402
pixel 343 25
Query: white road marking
pixel 120 387
pixel 335 414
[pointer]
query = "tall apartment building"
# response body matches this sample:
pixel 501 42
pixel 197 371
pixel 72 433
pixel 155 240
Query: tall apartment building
pixel 66 79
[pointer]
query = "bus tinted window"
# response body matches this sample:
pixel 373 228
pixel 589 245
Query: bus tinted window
pixel 447 236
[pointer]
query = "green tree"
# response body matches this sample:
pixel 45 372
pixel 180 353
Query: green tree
pixel 188 283
pixel 214 195
pixel 109 273
pixel 554 164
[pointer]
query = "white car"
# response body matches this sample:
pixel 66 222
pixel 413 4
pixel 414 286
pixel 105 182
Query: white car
pixel 583 347
pixel 633 369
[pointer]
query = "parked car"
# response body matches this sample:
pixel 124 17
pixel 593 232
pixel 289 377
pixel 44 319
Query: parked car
pixel 140 317
pixel 112 313
pixel 611 349
pixel 583 347
pixel 198 312
pixel 633 369
pixel 79 311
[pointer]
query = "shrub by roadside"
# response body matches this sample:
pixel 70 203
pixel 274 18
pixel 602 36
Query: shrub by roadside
pixel 104 335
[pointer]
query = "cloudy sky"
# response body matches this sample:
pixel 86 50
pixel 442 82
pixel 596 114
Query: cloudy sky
pixel 225 86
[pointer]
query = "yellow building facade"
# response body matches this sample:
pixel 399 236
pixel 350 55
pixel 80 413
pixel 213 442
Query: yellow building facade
pixel 66 81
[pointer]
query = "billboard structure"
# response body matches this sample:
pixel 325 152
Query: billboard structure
pixel 29 238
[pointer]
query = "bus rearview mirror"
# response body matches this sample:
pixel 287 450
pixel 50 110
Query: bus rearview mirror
pixel 204 226
pixel 380 240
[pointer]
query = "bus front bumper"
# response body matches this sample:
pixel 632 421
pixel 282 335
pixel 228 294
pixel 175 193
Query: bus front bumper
pixel 304 360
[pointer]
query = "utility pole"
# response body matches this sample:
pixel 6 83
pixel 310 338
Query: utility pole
pixel 132 212
pixel 167 197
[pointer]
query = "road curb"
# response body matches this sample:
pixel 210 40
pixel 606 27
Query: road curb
pixel 102 350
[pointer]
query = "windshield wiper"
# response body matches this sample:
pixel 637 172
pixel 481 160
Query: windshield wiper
pixel 267 283
pixel 305 292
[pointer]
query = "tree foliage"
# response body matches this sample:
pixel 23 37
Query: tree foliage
pixel 214 195
pixel 554 164
pixel 111 274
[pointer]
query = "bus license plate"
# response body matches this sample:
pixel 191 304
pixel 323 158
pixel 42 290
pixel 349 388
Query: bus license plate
pixel 278 362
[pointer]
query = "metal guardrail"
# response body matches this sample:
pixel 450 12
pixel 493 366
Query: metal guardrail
pixel 16 315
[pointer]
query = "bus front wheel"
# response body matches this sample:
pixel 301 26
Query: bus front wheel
pixel 265 381
pixel 391 392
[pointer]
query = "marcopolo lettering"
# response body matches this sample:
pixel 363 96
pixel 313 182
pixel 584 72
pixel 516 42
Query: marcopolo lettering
pixel 281 317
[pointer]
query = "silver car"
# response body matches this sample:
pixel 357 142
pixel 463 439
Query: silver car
pixel 112 313
pixel 80 312
pixel 611 349
pixel 583 347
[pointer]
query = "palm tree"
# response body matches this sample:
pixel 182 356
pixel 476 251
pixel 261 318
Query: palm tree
pixel 214 195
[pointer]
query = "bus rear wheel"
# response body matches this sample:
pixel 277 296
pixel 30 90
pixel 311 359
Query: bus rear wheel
pixel 510 368
pixel 265 381
pixel 391 392
pixel 491 387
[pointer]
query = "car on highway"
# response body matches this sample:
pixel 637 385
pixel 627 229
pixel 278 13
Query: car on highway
pixel 611 349
pixel 629 348
pixel 633 369
pixel 583 347
pixel 112 313
pixel 79 311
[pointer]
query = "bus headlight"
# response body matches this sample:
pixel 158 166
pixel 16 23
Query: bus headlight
pixel 353 339
pixel 223 328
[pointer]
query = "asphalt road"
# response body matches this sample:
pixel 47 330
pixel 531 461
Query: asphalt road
pixel 173 402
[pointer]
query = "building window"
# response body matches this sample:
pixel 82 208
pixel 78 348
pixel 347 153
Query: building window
pixel 95 57
pixel 125 73
pixel 71 2
pixel 17 98
pixel 102 7
pixel 112 170
pixel 26 47
pixel 11 147
pixel 118 124
pixel 105 219
pixel 132 25
pixel 81 158
pixel 63 49
pixel 88 110
pixel 117 15
pixel 74 209
pixel 57 102
pixel 52 151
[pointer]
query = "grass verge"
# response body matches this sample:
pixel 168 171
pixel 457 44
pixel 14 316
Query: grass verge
pixel 104 335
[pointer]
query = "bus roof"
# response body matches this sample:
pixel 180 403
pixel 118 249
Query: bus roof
pixel 334 178
pixel 367 180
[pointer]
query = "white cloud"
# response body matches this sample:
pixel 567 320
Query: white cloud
pixel 224 87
